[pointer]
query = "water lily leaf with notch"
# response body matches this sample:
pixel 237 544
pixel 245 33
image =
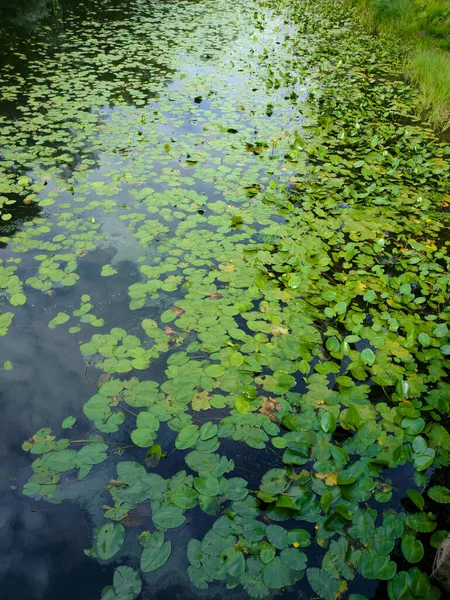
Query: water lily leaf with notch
pixel 60 319
pixel 413 426
pixel 153 558
pixel 127 583
pixel 207 446
pixel 425 460
pixel 108 540
pixel 237 489
pixel 412 548
pixel 368 357
pixel 438 538
pixel 108 270
pixel 151 540
pixel 208 462
pixel 214 370
pixel 424 339
pixel 187 437
pixel 209 504
pixel 440 494
pixel 252 579
pixel 60 461
pixel 277 536
pixel 68 422
pixel 376 566
pixel 326 501
pixel 147 420
pixel 328 422
pixel 381 542
pixel 206 484
pixel 343 511
pixel 184 497
pixel 143 437
pixel 93 453
pixel 393 525
pixel 346 478
pixel 198 577
pixel 242 405
pixel 18 299
pixel 110 422
pixel 208 431
pixel 194 552
pixel 233 561
pixel 300 537
pixel 423 456
pixel 322 583
pixel 110 388
pixel 338 560
pixel 421 522
pixel 295 559
pixel 246 508
pixel 168 517
pixel 167 316
pixel 340 308
pixel 266 552
pixel 139 485
pixel 440 330
pixel 416 498
pixel 333 344
pixel 274 482
pixel 408 585
pixel 369 296
pixel 278 575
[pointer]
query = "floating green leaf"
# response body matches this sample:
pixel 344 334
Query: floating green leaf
pixel 68 422
pixel 322 583
pixel 439 493
pixel 108 540
pixel 154 558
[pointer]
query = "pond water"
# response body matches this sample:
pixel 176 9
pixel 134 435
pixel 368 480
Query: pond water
pixel 224 298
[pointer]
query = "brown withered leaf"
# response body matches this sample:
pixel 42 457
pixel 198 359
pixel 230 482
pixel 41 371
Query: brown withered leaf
pixel 104 377
pixel 176 310
pixel 136 516
pixel 269 407
pixel 115 483
pixel 169 331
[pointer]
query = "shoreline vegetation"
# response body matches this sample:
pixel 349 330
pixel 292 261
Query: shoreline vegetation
pixel 235 292
pixel 423 26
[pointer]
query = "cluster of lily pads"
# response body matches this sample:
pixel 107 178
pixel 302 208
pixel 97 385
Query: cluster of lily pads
pixel 293 295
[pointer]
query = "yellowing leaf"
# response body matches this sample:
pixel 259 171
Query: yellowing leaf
pixel 201 401
pixel 329 479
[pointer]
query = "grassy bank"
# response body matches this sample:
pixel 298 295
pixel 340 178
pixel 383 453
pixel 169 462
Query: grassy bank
pixel 424 26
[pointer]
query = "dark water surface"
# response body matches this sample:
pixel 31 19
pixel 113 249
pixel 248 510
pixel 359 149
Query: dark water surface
pixel 132 134
pixel 116 45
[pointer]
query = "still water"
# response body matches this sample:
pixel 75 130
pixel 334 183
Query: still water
pixel 136 139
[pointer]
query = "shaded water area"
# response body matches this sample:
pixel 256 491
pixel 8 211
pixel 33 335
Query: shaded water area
pixel 224 305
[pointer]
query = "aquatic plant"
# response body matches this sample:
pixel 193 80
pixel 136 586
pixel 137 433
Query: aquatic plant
pixel 290 235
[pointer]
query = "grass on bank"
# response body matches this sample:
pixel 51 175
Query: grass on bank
pixel 425 26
